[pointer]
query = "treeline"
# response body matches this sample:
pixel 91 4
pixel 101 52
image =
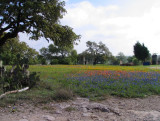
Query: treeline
pixel 96 53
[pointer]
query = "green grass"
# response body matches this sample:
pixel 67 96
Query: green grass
pixel 53 84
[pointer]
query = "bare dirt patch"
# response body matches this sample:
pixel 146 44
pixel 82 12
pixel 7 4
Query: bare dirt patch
pixel 81 109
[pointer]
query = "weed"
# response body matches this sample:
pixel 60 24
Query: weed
pixel 70 109
pixel 62 94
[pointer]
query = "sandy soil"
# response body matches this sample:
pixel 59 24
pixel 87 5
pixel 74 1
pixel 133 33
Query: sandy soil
pixel 81 109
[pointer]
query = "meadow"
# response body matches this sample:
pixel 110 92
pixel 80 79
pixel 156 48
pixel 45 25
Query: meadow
pixel 62 82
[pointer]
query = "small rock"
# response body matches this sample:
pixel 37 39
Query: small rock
pixel 115 111
pixel 100 119
pixel 83 99
pixel 71 120
pixel 94 117
pixel 21 104
pixel 98 106
pixel 84 105
pixel 63 106
pixel 23 120
pixel 86 114
pixel 61 119
pixel 85 110
pixel 24 117
pixel 58 112
pixel 49 118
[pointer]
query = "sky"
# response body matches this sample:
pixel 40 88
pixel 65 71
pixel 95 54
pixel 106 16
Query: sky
pixel 117 23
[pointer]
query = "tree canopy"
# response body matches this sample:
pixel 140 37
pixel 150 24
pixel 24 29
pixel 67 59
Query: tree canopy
pixel 13 47
pixel 121 57
pixel 58 54
pixel 97 51
pixel 141 52
pixel 38 18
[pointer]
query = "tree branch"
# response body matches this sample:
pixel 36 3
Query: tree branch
pixel 15 91
pixel 8 36
pixel 2 30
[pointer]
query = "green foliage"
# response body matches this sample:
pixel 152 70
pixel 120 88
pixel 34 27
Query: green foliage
pixel 136 61
pixel 113 61
pixel 141 52
pixel 98 53
pixel 14 47
pixel 70 109
pixel 121 57
pixel 42 60
pixel 54 62
pixel 61 51
pixel 59 54
pixel 53 80
pixel 74 56
pixel 19 77
pixel 37 18
pixel 63 94
pixel 65 61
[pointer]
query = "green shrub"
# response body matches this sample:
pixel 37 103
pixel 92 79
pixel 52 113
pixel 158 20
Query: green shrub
pixel 63 94
pixel 136 61
pixel 19 77
pixel 65 61
pixel 54 62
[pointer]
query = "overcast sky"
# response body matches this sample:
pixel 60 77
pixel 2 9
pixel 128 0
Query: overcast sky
pixel 117 23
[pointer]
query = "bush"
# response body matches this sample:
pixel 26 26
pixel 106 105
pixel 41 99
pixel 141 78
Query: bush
pixel 12 81
pixel 136 61
pixel 18 77
pixel 54 62
pixel 66 61
pixel 63 94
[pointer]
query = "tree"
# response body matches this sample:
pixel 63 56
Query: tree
pixel 121 57
pixel 62 51
pixel 141 52
pixel 58 54
pixel 38 18
pixel 13 47
pixel 98 51
pixel 73 56
pixel 113 60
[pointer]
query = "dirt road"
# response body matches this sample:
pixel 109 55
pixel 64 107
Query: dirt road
pixel 81 109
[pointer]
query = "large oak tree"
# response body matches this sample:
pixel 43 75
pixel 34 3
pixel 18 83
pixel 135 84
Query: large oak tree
pixel 99 52
pixel 38 18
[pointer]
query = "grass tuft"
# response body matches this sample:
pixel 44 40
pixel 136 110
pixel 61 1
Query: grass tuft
pixel 62 94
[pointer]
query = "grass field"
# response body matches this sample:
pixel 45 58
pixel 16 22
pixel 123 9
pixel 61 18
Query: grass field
pixel 62 82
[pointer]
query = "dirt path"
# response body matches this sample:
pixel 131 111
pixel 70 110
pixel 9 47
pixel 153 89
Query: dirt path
pixel 81 109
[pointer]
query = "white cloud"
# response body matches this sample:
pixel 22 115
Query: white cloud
pixel 85 13
pixel 119 27
pixel 32 43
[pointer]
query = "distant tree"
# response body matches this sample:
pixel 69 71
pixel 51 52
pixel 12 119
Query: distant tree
pixel 113 60
pixel 73 56
pixel 45 53
pixel 88 58
pixel 121 57
pixel 58 54
pixel 136 61
pixel 141 52
pixel 130 59
pixel 99 52
pixel 42 60
pixel 62 51
pixel 38 18
pixel 13 47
